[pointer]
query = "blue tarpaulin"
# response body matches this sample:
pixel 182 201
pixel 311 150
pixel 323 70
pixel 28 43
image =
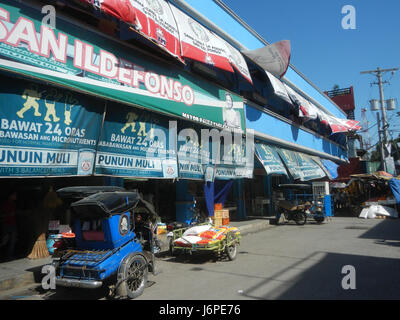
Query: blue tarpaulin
pixel 331 167
pixel 216 192
pixel 395 187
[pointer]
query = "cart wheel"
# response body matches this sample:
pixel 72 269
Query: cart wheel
pixel 231 251
pixel 300 218
pixel 134 271
pixel 171 247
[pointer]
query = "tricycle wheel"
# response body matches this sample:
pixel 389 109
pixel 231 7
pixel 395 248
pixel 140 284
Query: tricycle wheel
pixel 231 251
pixel 300 218
pixel 134 271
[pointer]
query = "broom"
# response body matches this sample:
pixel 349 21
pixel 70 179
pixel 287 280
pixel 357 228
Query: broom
pixel 39 250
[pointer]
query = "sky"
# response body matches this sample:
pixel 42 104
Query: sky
pixel 326 53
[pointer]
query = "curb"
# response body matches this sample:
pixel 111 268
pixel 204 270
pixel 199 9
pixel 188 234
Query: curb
pixel 254 227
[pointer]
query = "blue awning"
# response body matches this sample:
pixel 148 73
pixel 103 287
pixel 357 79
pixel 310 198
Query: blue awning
pixel 310 168
pixel 270 159
pixel 301 167
pixel 331 167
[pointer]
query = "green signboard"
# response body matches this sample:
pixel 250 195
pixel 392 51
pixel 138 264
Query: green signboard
pixel 78 58
pixel 270 159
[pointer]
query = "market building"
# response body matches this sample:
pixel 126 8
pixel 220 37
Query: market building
pixel 129 93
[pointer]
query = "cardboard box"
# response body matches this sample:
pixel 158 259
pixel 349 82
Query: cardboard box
pixel 221 213
pixel 217 222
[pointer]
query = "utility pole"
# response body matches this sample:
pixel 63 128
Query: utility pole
pixel 378 72
pixel 383 162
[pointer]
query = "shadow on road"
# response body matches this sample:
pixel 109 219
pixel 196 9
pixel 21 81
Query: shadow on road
pixel 386 232
pixel 375 278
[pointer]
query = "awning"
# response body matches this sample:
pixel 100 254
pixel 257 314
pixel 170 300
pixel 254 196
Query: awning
pixel 274 58
pixel 270 159
pixel 336 124
pixel 237 60
pixel 200 44
pixel 331 167
pixel 291 162
pixel 197 162
pixel 301 166
pixel 278 87
pixel 306 108
pixel 310 168
pixel 152 19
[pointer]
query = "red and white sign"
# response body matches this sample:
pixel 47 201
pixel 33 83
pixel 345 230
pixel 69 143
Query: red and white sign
pixel 156 20
pixel 279 87
pixel 306 108
pixel 237 60
pixel 152 18
pixel 338 125
pixel 199 43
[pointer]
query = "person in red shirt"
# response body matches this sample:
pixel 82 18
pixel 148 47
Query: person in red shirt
pixel 9 224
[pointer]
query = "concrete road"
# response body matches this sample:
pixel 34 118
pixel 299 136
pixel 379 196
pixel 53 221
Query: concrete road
pixel 282 262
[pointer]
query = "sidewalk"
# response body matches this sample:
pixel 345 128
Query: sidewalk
pixel 24 272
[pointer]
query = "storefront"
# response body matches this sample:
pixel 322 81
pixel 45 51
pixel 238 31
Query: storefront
pixel 78 108
pixel 160 104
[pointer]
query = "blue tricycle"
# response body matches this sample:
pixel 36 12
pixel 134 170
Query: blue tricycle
pixel 113 245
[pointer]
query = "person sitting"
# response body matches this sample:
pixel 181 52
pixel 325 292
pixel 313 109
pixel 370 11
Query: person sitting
pixel 146 230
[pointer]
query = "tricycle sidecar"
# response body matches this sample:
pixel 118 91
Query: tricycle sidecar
pixel 110 248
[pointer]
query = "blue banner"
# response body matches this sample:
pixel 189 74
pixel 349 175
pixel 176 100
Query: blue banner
pixel 270 159
pixel 310 169
pixel 136 143
pixel 46 131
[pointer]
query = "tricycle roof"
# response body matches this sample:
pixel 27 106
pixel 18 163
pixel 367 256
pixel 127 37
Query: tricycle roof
pixel 107 204
pixel 81 192
pixel 294 186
